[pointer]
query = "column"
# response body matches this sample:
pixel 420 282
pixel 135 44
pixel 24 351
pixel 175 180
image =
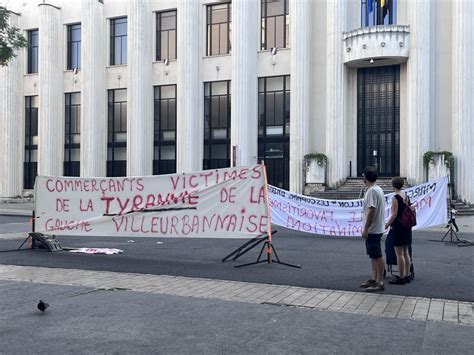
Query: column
pixel 140 90
pixel 93 94
pixel 335 140
pixel 51 94
pixel 190 126
pixel 244 84
pixel 300 44
pixel 12 127
pixel 418 89
pixel 462 101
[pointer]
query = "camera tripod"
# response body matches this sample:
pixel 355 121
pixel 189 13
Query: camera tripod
pixel 453 236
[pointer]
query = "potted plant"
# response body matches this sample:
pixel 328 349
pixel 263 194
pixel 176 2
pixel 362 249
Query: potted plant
pixel 438 164
pixel 315 166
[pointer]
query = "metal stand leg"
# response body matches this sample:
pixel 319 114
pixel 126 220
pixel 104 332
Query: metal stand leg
pixel 270 250
pixel 238 252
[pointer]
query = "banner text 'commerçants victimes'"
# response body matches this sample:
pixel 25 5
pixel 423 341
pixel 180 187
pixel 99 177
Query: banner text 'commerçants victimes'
pixel 222 203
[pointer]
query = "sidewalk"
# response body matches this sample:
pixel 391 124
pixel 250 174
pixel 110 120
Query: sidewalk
pixel 360 303
pixel 16 208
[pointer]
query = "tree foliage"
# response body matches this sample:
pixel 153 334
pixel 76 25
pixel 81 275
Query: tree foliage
pixel 11 38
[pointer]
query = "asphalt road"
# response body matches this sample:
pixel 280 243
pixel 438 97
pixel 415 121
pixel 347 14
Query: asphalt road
pixel 441 271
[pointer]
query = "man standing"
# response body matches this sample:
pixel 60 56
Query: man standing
pixel 373 228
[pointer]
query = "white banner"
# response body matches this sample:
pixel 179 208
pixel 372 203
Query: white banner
pixel 223 203
pixel 344 217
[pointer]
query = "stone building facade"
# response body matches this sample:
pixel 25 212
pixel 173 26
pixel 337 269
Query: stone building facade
pixel 137 87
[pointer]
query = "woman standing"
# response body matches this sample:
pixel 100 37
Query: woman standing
pixel 401 236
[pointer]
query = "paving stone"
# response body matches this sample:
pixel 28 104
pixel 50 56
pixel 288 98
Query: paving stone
pixel 353 302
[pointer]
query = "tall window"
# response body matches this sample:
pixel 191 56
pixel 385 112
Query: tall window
pixel 74 46
pixel 217 125
pixel 30 166
pixel 117 133
pixel 33 51
pixel 164 156
pixel 218 29
pixel 72 142
pixel 378 12
pixel 275 24
pixel 166 35
pixel 274 128
pixel 118 41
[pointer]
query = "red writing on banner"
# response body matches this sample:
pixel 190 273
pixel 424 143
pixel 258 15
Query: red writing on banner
pixel 86 207
pixel 319 228
pixel 190 224
pixel 94 185
pixel 308 213
pixel 62 225
pixel 206 178
pixel 62 204
pixel 119 205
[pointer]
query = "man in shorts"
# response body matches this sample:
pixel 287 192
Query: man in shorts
pixel 373 226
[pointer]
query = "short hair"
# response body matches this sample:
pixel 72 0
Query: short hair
pixel 397 182
pixel 370 173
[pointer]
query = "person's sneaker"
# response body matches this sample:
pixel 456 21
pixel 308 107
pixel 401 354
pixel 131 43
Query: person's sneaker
pixel 376 288
pixel 397 281
pixel 368 283
pixel 407 279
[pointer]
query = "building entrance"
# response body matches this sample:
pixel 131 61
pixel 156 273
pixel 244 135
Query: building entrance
pixel 378 119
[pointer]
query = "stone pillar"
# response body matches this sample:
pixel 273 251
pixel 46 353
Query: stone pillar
pixel 300 44
pixel 12 127
pixel 335 140
pixel 244 108
pixel 93 94
pixel 462 101
pixel 51 94
pixel 418 89
pixel 140 90
pixel 189 89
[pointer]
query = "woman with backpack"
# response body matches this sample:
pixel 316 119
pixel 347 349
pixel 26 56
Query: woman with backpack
pixel 401 234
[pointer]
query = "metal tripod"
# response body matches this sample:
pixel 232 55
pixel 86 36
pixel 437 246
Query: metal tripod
pixel 270 250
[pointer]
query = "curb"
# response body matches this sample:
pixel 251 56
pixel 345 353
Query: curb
pixel 16 213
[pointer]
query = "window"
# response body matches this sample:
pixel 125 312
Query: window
pixel 378 12
pixel 30 166
pixel 274 106
pixel 73 46
pixel 72 141
pixel 218 29
pixel 117 133
pixel 164 141
pixel 274 128
pixel 275 24
pixel 217 97
pixel 32 51
pixel 166 35
pixel 118 41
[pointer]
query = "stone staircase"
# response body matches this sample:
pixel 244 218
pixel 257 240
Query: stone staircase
pixel 352 189
pixel 462 208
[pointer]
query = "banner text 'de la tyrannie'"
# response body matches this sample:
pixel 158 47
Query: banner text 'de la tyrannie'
pixel 222 203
